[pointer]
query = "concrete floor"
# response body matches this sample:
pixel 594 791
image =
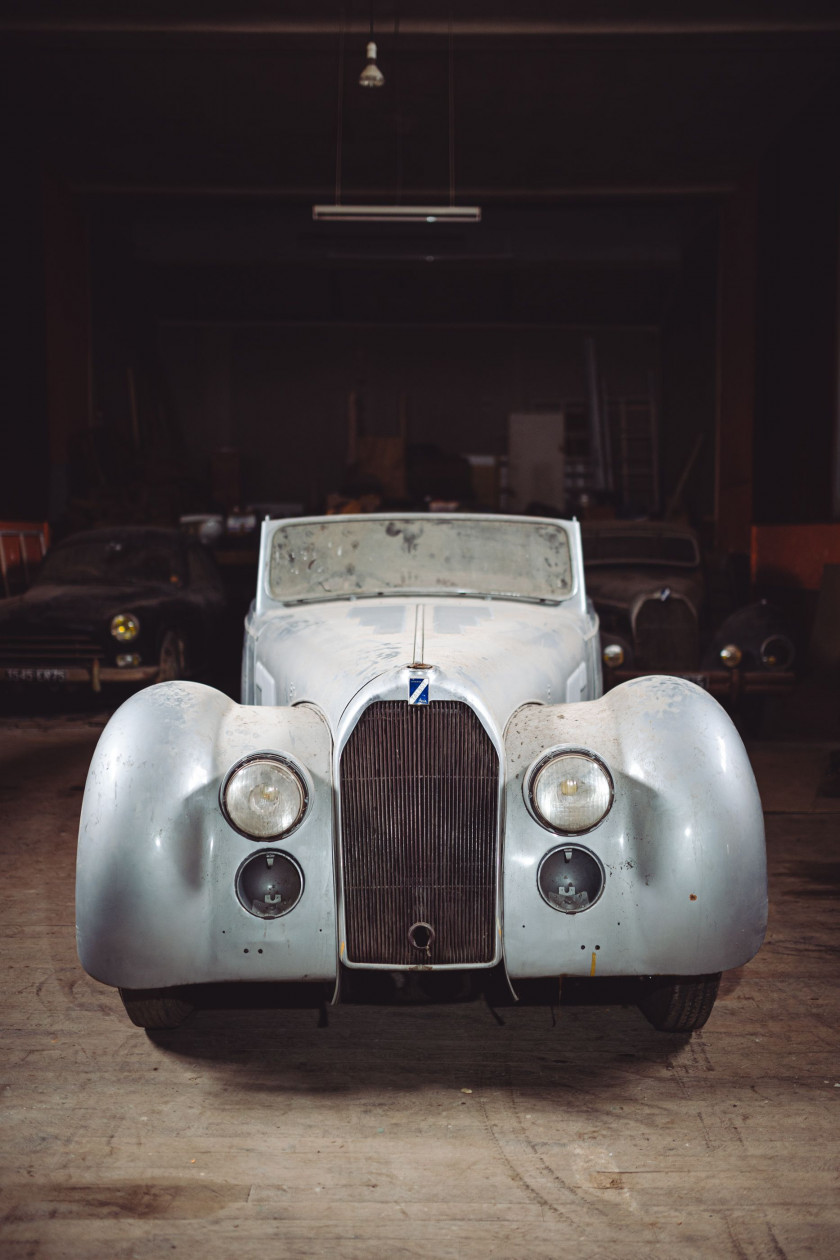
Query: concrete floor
pixel 423 1131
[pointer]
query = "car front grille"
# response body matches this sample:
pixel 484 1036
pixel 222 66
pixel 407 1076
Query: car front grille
pixel 666 635
pixel 419 811
pixel 48 649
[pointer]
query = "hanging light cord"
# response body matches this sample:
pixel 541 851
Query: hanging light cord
pixel 451 116
pixel 398 103
pixel 339 123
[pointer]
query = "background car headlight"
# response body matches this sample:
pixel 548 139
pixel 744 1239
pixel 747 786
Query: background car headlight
pixel 731 655
pixel 571 792
pixel 125 627
pixel 777 652
pixel 613 655
pixel 263 797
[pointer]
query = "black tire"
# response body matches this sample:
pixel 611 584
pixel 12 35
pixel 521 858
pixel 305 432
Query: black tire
pixel 155 1008
pixel 172 658
pixel 679 1004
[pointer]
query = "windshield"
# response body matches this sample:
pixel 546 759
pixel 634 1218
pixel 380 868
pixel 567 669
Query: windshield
pixel 346 557
pixel 631 547
pixel 112 562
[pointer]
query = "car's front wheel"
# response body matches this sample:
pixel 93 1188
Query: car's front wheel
pixel 155 1008
pixel 679 1004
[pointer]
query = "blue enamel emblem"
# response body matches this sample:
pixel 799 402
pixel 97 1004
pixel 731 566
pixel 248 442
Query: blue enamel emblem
pixel 418 691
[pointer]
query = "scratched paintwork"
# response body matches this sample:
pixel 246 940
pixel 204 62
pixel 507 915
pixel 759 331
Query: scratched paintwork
pixel 682 847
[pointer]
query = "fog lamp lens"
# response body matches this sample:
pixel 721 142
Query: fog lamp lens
pixel 571 793
pixel 125 627
pixel 263 797
pixel 613 655
pixel 731 656
pixel 127 659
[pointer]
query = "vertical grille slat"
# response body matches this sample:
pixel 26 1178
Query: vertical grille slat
pixel 419 803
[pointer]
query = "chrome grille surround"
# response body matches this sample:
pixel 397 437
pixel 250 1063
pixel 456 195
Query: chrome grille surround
pixel 419 802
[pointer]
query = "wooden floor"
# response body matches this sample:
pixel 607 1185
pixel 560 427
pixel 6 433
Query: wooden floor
pixel 424 1131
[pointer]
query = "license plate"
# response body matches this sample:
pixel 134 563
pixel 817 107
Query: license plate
pixel 35 674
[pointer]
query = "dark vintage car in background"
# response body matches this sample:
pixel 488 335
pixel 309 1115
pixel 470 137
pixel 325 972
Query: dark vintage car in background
pixel 133 604
pixel 647 582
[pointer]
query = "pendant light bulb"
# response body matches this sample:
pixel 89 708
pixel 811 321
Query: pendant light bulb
pixel 371 76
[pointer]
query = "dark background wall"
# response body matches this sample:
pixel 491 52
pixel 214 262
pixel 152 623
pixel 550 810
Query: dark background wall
pixel 667 185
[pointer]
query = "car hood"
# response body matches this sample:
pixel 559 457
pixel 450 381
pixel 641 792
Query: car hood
pixel 623 586
pixel 47 607
pixel 505 653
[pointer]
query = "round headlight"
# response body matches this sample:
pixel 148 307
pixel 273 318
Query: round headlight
pixel 263 797
pixel 571 792
pixel 731 655
pixel 125 627
pixel 777 652
pixel 613 655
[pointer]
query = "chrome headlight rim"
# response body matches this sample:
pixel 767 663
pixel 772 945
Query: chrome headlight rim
pixel 125 617
pixel 287 764
pixel 555 754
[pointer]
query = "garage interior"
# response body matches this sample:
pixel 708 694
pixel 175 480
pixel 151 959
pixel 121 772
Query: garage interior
pixel 657 263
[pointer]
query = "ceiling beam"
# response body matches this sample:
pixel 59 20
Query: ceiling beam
pixel 386 195
pixel 501 27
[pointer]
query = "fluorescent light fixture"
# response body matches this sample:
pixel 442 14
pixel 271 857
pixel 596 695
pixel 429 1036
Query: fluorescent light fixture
pixel 398 214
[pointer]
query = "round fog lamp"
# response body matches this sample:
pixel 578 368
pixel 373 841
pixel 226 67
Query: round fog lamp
pixel 571 792
pixel 570 879
pixel 125 627
pixel 613 655
pixel 269 884
pixel 731 656
pixel 263 797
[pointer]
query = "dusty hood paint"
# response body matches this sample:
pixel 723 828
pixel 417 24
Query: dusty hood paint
pixel 508 653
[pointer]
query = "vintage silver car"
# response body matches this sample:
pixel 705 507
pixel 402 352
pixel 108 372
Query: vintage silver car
pixel 423 778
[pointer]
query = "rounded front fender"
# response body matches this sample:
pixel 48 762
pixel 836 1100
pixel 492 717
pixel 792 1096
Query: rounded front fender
pixel 682 848
pixel 156 903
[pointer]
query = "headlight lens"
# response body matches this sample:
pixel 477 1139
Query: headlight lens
pixel 777 652
pixel 571 793
pixel 731 655
pixel 613 655
pixel 125 627
pixel 263 797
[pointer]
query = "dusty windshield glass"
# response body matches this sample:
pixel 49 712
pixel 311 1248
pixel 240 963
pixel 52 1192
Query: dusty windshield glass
pixel 347 557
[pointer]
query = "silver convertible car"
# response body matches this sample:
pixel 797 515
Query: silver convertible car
pixel 423 777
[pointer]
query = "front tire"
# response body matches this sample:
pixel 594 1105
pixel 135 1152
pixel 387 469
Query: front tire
pixel 679 1004
pixel 155 1008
